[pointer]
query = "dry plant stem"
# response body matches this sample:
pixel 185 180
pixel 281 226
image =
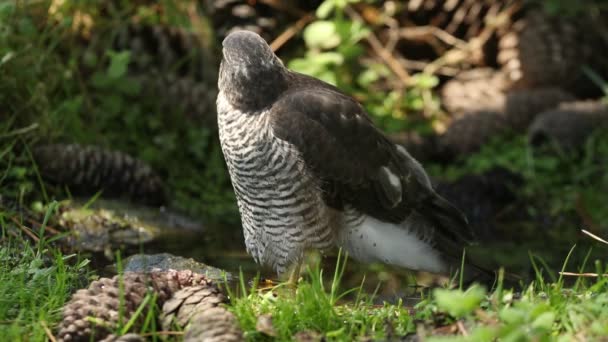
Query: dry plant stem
pixel 426 31
pixel 48 228
pixel 294 276
pixel 461 53
pixel 594 236
pixel 381 51
pixel 25 229
pixel 462 329
pixel 584 275
pixel 420 65
pixel 48 332
pixel 294 29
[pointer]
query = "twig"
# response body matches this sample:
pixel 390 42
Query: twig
pixel 594 236
pixel 462 329
pixel 47 227
pixel 420 65
pixel 461 53
pixel 48 332
pixel 382 52
pixel 25 229
pixel 20 131
pixel 291 31
pixel 425 31
pixel 585 275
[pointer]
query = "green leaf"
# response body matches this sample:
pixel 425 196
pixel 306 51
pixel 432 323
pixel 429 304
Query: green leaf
pixel 6 10
pixel 321 35
pixel 425 81
pixel 544 321
pixel 326 58
pixel 459 303
pixel 324 10
pixel 119 61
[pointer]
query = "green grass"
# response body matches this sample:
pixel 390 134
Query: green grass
pixel 318 306
pixel 36 279
pixel 542 311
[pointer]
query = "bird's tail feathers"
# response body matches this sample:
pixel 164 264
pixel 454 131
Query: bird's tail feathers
pixel 450 223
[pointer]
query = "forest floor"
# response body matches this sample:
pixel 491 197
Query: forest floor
pixel 36 280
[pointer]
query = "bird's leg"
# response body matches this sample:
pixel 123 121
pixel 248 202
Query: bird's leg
pixel 294 275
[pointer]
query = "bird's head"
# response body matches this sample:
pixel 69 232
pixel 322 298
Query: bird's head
pixel 251 75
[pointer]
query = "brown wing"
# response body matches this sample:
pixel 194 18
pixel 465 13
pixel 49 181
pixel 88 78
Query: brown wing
pixel 357 165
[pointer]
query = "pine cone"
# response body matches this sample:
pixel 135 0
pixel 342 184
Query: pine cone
pixel 474 90
pixel 197 308
pixel 174 66
pixel 189 302
pixel 214 325
pixel 467 133
pixel 542 50
pixel 523 105
pixel 185 95
pixel 103 298
pixel 167 49
pixel 87 169
pixel 570 124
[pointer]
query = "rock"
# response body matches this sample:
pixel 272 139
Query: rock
pixel 166 261
pixel 101 230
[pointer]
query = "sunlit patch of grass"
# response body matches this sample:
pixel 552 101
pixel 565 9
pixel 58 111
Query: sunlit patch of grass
pixel 316 307
pixel 542 311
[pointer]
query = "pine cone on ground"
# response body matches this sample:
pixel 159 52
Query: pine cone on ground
pixel 174 66
pixel 188 302
pixel 543 50
pixel 570 124
pixel 468 133
pixel 102 301
pixel 198 310
pixel 214 325
pixel 523 105
pixel 87 169
pixel 473 90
